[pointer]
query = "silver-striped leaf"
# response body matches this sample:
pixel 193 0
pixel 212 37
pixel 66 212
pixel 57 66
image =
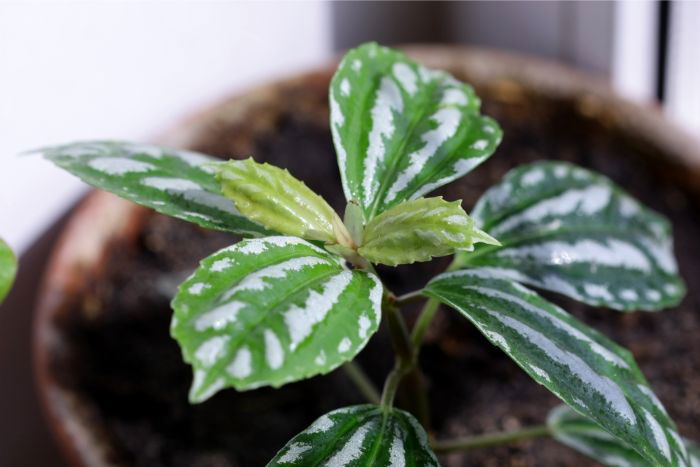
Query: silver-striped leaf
pixel 361 435
pixel 587 437
pixel 8 269
pixel 419 230
pixel 693 452
pixel 270 311
pixel 171 181
pixel 582 367
pixel 402 130
pixel 572 231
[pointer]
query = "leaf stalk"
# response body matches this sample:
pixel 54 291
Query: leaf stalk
pixel 405 358
pixel 490 439
pixel 362 382
pixel 423 323
pixel 409 298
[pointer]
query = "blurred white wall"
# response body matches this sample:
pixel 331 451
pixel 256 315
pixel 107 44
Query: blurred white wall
pixel 683 84
pixel 634 58
pixel 78 70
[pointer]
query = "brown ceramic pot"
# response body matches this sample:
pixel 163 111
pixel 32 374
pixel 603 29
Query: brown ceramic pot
pixel 517 88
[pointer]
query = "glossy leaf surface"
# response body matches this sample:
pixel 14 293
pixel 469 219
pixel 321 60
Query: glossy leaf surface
pixel 582 367
pixel 171 181
pixel 587 437
pixel 402 130
pixel 419 230
pixel 270 311
pixel 569 230
pixel 360 435
pixel 8 269
pixel 271 196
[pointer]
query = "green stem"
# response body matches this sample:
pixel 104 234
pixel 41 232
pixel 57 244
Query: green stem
pixel 491 439
pixel 423 323
pixel 405 359
pixel 362 381
pixel 406 366
pixel 391 385
pixel 406 355
pixel 410 297
pixel 428 313
pixel 398 331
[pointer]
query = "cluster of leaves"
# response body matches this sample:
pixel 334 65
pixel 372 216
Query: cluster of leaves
pixel 284 305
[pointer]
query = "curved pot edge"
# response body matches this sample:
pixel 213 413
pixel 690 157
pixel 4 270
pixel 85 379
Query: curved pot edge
pixel 80 249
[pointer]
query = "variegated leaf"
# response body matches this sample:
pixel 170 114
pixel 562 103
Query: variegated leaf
pixel 171 181
pixel 8 269
pixel 272 197
pixel 693 452
pixel 401 130
pixel 419 230
pixel 582 367
pixel 270 311
pixel 361 435
pixel 587 437
pixel 569 230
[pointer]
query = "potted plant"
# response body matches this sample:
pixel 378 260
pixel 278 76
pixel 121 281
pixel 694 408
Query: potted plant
pixel 279 308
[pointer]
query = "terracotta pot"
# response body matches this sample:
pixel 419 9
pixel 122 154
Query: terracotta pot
pixel 90 235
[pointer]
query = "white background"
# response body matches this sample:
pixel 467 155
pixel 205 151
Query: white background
pixel 74 71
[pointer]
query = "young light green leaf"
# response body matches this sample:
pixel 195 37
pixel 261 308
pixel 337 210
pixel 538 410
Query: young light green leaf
pixel 8 269
pixel 569 230
pixel 274 198
pixel 354 221
pixel 401 130
pixel 361 435
pixel 171 181
pixel 419 230
pixel 271 311
pixel 587 437
pixel 582 367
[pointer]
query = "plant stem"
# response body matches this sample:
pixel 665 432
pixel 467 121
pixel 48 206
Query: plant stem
pixel 400 338
pixel 362 381
pixel 491 439
pixel 391 385
pixel 405 360
pixel 428 313
pixel 410 297
pixel 423 323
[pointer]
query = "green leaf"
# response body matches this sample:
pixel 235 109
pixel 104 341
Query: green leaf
pixel 693 452
pixel 272 197
pixel 401 130
pixel 354 221
pixel 582 367
pixel 8 269
pixel 420 230
pixel 361 435
pixel 171 181
pixel 587 437
pixel 271 311
pixel 572 231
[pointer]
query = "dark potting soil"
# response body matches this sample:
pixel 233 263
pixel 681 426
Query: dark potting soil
pixel 121 358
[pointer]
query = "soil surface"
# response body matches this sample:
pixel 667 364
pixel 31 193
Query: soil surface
pixel 123 361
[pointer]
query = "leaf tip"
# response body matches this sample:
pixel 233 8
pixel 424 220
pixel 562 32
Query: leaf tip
pixel 482 237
